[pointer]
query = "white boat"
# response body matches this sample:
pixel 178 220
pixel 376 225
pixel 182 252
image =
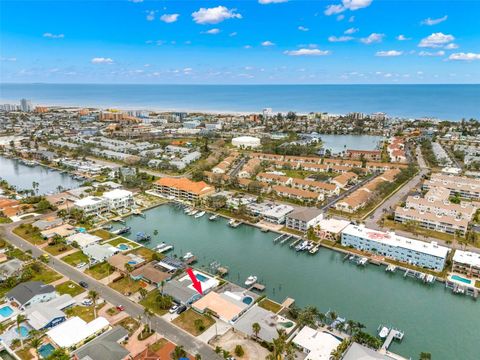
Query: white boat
pixel 234 223
pixel 363 261
pixel 188 256
pixel 187 210
pixel 251 280
pixel 193 212
pixel 200 214
pixel 383 333
pixel 213 217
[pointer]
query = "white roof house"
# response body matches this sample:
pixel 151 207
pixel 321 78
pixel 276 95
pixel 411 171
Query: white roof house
pixel 467 258
pixel 83 239
pixel 117 194
pixel 75 331
pixel 98 253
pixel 88 201
pixel 318 345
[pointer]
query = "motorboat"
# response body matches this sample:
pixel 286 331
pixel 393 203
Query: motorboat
pixel 193 212
pixel 141 236
pixel 200 214
pixel 383 333
pixel 252 279
pixel 213 217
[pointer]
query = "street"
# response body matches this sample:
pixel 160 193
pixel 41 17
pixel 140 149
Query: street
pixel 161 326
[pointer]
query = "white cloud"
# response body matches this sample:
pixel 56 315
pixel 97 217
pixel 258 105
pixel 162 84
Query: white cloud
pixel 101 60
pixel 339 38
pixel 233 34
pixel 214 15
pixel 307 52
pixel 451 46
pixel 402 37
pixel 266 2
pixel 428 53
pixel 436 40
pixel 464 56
pixel 431 22
pixel 53 36
pixel 136 1
pixel 214 31
pixel 351 19
pixel 303 28
pixel 267 43
pixel 247 47
pixel 373 38
pixel 169 18
pixel 347 5
pixel 151 15
pixel 10 59
pixel 389 53
pixel 350 31
pixel 340 17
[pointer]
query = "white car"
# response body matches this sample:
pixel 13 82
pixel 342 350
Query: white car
pixel 87 302
pixel 173 309
pixel 82 264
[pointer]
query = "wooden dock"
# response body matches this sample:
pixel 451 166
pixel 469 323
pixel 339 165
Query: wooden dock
pixel 257 286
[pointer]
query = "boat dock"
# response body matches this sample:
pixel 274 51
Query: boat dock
pixel 426 278
pixel 393 334
pixel 257 286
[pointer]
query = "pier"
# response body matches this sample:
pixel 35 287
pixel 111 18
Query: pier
pixel 393 334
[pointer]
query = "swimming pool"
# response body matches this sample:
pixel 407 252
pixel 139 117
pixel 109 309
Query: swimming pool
pixel 461 279
pixel 22 331
pixel 6 311
pixel 132 262
pixel 45 350
pixel 201 277
pixel 123 247
pixel 247 300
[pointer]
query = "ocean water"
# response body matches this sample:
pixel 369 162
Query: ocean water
pixel 446 102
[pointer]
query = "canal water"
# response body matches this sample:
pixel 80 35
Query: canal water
pixel 339 143
pixel 434 320
pixel 22 176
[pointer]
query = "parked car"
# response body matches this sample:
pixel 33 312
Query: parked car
pixel 87 302
pixel 83 284
pixel 173 309
pixel 82 264
pixel 120 307
pixel 181 309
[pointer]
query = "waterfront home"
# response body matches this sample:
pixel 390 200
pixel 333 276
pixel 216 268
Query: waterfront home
pixel 466 262
pixel 432 221
pixel 107 346
pixel 182 290
pixel 301 219
pixel 276 214
pixel 30 292
pixel 297 194
pixel 98 253
pixel 318 345
pixel 64 230
pixel 10 207
pixel 183 188
pixel 120 261
pixel 330 229
pixel 462 186
pixel 47 223
pixel 414 252
pixel 226 306
pixel 10 268
pixel 369 155
pixel 91 205
pixel 49 314
pixel 118 199
pixel 75 332
pixel 150 273
pixel 357 351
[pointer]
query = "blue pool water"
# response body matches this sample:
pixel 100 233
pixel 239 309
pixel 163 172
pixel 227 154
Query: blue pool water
pixel 132 262
pixel 461 279
pixel 123 247
pixel 45 350
pixel 247 300
pixel 6 311
pixel 22 331
pixel 201 278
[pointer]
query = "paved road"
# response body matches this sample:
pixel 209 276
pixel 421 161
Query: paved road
pixel 391 203
pixel 163 327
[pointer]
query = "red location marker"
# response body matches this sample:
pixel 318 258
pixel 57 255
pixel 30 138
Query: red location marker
pixel 196 284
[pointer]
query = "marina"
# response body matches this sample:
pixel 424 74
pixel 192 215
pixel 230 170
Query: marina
pixel 22 176
pixel 327 281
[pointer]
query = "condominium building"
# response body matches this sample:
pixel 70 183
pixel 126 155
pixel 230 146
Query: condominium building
pixel 114 200
pixel 460 185
pixel 183 188
pixel 464 210
pixel 91 205
pixel 431 221
pixel 297 194
pixel 370 155
pixel 415 252
pixel 466 262
pixel 301 219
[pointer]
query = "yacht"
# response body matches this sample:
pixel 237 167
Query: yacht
pixel 193 212
pixel 200 214
pixel 188 257
pixel 213 217
pixel 251 280
pixel 187 210
pixel 383 333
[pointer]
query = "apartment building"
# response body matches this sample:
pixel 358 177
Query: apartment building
pixel 462 186
pixel 301 219
pixel 249 169
pixel 183 188
pixel 345 179
pixel 464 210
pixel 316 186
pixel 369 155
pixel 297 194
pixel 466 262
pixel 388 244
pixel 431 221
pixel 274 179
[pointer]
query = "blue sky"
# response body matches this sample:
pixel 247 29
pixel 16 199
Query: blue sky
pixel 240 42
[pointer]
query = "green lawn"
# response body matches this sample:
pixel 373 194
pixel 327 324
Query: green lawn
pixel 126 285
pixel 70 288
pixel 147 254
pixel 270 305
pixel 84 312
pixel 46 274
pixel 99 271
pixel 75 258
pixel 122 240
pixel 190 322
pixel 130 324
pixel 104 234
pixel 150 302
pixel 5 220
pixel 57 249
pixel 19 254
pixel 29 233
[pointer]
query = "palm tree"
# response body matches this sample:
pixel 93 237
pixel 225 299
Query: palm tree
pixel 148 315
pixel 178 352
pixel 35 343
pixel 256 329
pixel 20 319
pixel 93 295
